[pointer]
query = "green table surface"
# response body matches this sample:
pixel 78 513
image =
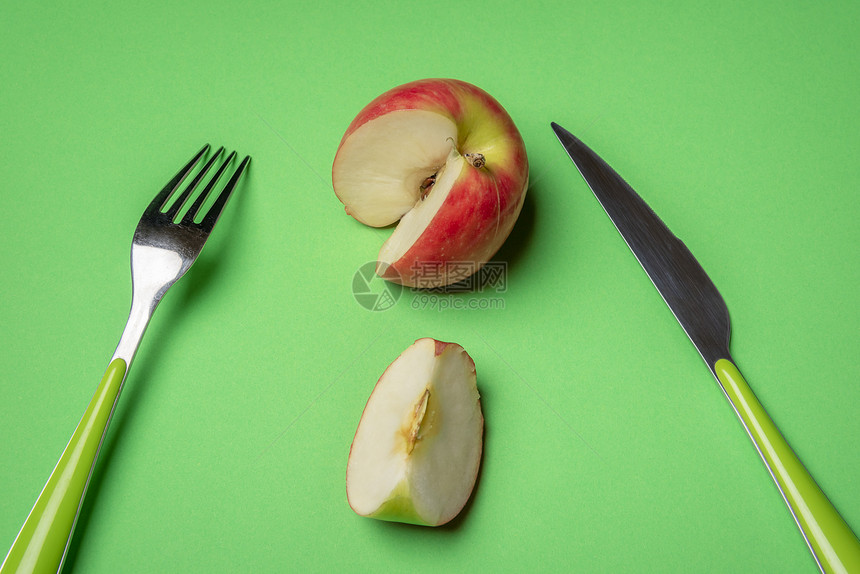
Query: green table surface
pixel 608 446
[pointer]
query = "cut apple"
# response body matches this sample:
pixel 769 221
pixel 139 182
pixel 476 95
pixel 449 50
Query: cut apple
pixel 417 450
pixel 394 158
pixel 444 159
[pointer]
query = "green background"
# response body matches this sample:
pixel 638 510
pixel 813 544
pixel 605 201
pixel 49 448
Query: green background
pixel 608 447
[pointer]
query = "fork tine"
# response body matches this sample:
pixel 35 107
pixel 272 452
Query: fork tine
pixel 211 217
pixel 193 211
pixel 158 202
pixel 182 199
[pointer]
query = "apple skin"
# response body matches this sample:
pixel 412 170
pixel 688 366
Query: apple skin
pixel 480 211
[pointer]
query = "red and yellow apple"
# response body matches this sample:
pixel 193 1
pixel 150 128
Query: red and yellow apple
pixel 443 158
pixel 417 449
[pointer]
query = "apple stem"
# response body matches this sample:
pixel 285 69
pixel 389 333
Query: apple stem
pixel 476 159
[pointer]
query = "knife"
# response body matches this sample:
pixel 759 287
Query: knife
pixel 701 311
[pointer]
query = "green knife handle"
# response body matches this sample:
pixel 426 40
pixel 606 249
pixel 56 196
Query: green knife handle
pixel 829 537
pixel 42 542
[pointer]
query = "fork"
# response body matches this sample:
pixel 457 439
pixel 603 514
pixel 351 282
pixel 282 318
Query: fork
pixel 161 252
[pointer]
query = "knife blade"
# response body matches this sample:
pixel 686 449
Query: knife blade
pixel 699 308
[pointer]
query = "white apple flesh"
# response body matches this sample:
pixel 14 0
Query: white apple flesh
pixel 446 160
pixel 417 449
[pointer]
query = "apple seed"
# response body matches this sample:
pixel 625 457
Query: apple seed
pixel 426 185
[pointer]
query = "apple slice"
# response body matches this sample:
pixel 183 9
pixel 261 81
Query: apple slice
pixel 417 450
pixel 446 160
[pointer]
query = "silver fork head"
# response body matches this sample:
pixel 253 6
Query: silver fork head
pixel 162 206
pixel 163 248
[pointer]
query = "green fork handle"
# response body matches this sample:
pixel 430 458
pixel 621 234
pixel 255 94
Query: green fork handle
pixel 42 543
pixel 829 537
